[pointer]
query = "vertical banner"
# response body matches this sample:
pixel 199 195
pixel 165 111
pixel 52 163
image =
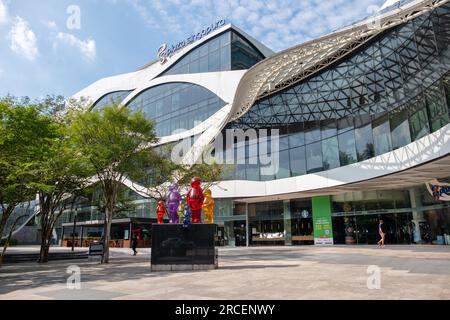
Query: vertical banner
pixel 323 228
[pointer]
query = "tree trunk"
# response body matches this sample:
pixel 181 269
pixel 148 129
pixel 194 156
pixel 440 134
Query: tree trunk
pixel 110 196
pixel 45 208
pixel 45 247
pixel 46 241
pixel 107 234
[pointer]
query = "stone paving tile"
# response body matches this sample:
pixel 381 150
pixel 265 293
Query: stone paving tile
pixel 407 272
pixel 85 294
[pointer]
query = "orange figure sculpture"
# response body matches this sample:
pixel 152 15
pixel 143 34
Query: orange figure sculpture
pixel 195 199
pixel 208 207
pixel 160 212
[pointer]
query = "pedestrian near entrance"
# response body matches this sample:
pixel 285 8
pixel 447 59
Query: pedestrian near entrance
pixel 382 232
pixel 134 244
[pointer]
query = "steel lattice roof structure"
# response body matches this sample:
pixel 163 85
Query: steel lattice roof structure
pixel 293 65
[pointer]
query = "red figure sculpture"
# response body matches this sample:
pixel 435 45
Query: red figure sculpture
pixel 195 200
pixel 160 212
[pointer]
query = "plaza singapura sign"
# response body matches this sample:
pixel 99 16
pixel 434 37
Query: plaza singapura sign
pixel 165 52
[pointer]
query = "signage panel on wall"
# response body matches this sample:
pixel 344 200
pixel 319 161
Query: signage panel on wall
pixel 323 233
pixel 440 191
pixel 323 228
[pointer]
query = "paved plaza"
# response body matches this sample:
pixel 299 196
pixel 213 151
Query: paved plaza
pixel 302 272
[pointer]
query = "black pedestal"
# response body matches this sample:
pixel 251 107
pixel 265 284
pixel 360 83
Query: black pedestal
pixel 178 248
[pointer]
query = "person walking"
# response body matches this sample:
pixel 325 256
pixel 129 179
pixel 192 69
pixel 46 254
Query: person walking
pixel 134 244
pixel 382 232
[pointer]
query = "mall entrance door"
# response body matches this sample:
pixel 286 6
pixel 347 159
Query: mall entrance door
pixel 240 233
pixel 235 233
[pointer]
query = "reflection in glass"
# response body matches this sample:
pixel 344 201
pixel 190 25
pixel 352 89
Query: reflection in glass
pixel 347 148
pixel 436 107
pixel 330 152
pixel 284 170
pixel 419 124
pixel 314 157
pixel 298 162
pixel 364 143
pixel 400 129
pixel 382 136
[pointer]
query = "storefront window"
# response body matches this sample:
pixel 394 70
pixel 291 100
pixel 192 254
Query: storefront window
pixel 267 225
pixel 301 221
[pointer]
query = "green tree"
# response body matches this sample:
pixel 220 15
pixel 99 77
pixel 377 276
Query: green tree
pixel 62 175
pixel 124 204
pixel 25 136
pixel 164 172
pixel 117 143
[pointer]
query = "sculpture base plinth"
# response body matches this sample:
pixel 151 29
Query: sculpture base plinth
pixel 182 267
pixel 179 248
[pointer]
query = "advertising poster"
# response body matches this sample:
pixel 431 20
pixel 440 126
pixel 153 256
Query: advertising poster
pixel 323 228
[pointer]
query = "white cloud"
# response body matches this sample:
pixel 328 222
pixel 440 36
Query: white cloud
pixel 3 13
pixel 50 24
pixel 23 39
pixel 279 24
pixel 87 48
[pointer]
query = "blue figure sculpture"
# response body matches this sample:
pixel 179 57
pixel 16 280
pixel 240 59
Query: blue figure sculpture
pixel 187 217
pixel 172 203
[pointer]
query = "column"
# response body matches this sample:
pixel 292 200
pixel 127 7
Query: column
pixel 321 213
pixel 247 227
pixel 287 222
pixel 416 203
pixel 81 240
pixel 62 237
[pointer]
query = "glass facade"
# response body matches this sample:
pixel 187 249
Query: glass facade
pixel 175 106
pixel 228 51
pixel 389 93
pixel 110 98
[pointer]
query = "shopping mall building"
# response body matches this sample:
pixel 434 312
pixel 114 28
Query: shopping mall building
pixel 360 118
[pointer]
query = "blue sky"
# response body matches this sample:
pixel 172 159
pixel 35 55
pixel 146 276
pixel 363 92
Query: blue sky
pixel 43 49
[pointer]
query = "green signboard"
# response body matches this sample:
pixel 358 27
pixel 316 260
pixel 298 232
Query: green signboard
pixel 323 228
